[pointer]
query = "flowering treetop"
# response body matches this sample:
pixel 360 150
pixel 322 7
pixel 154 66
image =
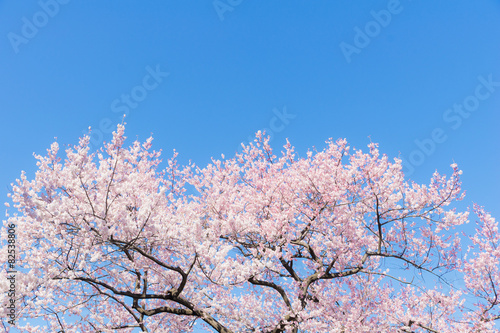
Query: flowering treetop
pixel 336 241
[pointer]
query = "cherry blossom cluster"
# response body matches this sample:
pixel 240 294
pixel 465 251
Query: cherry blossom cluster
pixel 334 241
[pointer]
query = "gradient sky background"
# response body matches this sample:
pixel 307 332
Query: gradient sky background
pixel 231 72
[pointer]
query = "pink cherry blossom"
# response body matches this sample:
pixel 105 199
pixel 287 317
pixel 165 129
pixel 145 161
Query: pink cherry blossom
pixel 336 241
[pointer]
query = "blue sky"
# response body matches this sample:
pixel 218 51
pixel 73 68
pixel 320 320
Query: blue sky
pixel 421 78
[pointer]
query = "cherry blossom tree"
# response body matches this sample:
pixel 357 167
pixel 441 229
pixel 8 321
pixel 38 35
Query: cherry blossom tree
pixel 335 241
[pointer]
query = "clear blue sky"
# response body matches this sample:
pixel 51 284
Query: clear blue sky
pixel 421 78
